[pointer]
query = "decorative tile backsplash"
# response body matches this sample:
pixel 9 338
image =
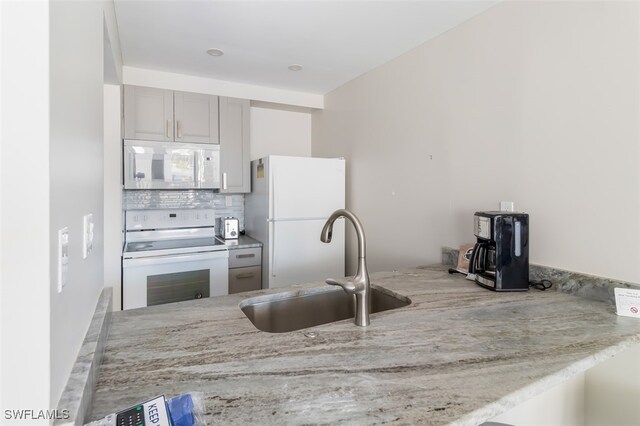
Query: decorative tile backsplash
pixel 187 199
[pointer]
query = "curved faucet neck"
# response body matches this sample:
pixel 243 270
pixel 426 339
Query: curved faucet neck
pixel 362 244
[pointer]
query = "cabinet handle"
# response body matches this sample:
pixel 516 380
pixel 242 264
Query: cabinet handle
pixel 179 129
pixel 224 180
pixel 168 126
pixel 242 256
pixel 243 276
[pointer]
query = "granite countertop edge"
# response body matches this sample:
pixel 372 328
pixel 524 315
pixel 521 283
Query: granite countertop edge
pixel 242 242
pixel 544 384
pixel 560 371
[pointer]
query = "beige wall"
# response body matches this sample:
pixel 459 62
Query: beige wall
pixel 533 102
pixel 280 132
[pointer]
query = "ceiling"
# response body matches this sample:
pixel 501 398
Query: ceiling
pixel 334 41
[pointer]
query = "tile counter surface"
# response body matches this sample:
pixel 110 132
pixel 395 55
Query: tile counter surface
pixel 458 354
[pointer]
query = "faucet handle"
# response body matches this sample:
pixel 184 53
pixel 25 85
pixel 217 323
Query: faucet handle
pixel 348 286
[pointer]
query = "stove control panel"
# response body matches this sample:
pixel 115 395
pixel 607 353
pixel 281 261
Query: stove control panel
pixel 168 219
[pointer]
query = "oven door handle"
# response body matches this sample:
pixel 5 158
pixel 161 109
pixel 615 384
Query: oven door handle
pixel 172 258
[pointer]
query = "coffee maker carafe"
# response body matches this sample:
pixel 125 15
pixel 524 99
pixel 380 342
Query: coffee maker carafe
pixel 500 258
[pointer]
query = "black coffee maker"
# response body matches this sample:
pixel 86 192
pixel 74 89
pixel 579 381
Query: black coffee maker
pixel 500 258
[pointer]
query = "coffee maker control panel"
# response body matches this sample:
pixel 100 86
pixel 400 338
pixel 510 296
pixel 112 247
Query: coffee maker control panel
pixel 482 227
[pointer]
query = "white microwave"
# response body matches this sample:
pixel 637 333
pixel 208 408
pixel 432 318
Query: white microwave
pixel 170 165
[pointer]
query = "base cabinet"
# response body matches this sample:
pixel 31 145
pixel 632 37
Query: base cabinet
pixel 245 279
pixel 245 269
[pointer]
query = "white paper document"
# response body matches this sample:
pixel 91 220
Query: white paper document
pixel 627 302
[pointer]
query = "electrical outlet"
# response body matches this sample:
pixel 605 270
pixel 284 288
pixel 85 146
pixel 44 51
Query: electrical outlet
pixel 506 206
pixel 87 235
pixel 228 201
pixel 63 258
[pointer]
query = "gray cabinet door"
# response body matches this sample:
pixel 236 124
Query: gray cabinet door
pixel 234 145
pixel 148 113
pixel 196 117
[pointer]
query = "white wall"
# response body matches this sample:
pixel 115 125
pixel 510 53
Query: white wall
pixel 526 102
pixel 562 405
pixel 112 42
pixel 24 207
pixel 76 173
pixel 188 83
pixel 279 132
pixel 113 191
pixel 612 390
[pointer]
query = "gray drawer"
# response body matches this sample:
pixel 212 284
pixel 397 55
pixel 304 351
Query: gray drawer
pixel 239 258
pixel 245 279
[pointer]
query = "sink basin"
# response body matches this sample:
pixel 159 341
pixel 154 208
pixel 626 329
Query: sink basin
pixel 297 310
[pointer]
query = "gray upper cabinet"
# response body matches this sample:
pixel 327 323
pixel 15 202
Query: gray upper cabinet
pixel 164 115
pixel 148 113
pixel 234 145
pixel 196 117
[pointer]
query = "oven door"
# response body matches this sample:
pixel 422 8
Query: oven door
pixel 149 281
pixel 170 165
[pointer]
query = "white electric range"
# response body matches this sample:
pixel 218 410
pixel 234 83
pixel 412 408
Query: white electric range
pixel 172 256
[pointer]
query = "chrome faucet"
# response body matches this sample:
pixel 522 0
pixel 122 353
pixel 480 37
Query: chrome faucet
pixel 359 284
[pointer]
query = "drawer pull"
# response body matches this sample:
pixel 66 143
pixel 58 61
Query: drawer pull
pixel 243 276
pixel 243 256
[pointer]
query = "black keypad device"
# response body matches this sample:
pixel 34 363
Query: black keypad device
pixel 132 417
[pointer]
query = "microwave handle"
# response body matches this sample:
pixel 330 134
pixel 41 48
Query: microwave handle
pixel 196 162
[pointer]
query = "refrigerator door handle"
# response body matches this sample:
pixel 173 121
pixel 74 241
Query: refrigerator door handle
pixel 272 204
pixel 272 248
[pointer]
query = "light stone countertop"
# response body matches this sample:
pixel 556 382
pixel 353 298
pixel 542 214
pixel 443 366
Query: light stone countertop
pixel 242 242
pixel 458 354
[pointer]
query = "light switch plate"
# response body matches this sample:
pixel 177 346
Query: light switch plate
pixel 87 235
pixel 228 201
pixel 63 258
pixel 506 206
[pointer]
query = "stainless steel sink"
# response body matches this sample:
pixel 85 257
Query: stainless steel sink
pixel 297 310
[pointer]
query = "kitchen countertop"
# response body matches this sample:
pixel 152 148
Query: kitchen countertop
pixel 458 354
pixel 242 242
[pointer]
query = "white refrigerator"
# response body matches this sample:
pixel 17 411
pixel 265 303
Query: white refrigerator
pixel 290 201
